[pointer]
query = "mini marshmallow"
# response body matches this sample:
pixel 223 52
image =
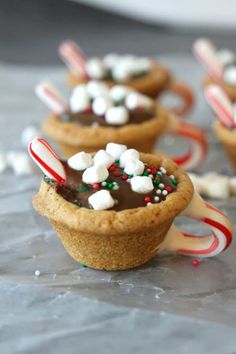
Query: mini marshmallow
pixel 120 92
pixel 97 88
pixel 95 174
pixel 230 74
pixel 29 133
pixel 127 155
pixel 95 68
pixel 115 150
pixel 110 60
pixel 3 163
pixel 142 65
pixel 198 182
pixel 134 167
pixel 225 56
pixel 101 200
pixel 103 158
pixel 20 163
pixel 79 99
pixel 80 161
pixel 122 71
pixel 141 184
pixel 135 100
pixel 216 186
pixel 117 115
pixel 232 185
pixel 101 105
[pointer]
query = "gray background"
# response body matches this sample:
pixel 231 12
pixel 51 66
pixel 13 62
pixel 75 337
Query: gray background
pixel 166 306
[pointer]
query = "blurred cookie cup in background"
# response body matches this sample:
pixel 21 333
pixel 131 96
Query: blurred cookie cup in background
pixel 97 114
pixel 142 74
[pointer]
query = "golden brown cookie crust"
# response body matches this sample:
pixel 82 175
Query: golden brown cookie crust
pixel 228 139
pixel 151 84
pixel 229 89
pixel 115 240
pixel 72 137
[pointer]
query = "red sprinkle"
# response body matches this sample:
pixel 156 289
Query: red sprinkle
pixel 168 188
pixel 125 177
pixel 96 186
pixel 117 174
pixel 195 262
pixel 147 199
pixel 112 167
pixel 88 110
pixel 154 171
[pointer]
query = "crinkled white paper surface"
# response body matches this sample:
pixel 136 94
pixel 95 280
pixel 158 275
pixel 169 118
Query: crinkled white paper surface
pixel 166 306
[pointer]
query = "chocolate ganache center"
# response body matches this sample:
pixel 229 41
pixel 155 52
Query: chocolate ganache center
pixel 118 183
pixel 89 118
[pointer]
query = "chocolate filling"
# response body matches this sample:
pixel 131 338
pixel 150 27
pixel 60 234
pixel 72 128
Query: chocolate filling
pixel 77 192
pixel 83 118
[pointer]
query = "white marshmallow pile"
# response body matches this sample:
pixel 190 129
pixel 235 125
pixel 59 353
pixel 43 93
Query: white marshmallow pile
pixel 96 171
pixel 214 185
pixel 97 96
pixel 18 161
pixel 121 67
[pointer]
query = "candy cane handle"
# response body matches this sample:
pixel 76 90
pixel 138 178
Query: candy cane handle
pixel 197 142
pixel 201 246
pixel 186 95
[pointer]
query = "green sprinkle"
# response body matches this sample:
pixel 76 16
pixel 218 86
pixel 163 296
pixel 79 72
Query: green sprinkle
pixel 117 162
pixel 156 181
pixel 110 185
pixel 82 188
pixel 174 181
pixel 145 173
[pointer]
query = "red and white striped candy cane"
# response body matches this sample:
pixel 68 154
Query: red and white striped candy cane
pixel 205 52
pixel 47 160
pixel 221 104
pixel 49 96
pixel 196 139
pixel 201 246
pixel 73 57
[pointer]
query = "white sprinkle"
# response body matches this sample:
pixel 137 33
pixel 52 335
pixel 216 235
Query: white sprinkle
pixel 158 191
pixel 156 199
pixel 115 186
pixel 164 192
pixel 172 177
pixel 103 184
pixel 162 169
pixel 161 185
pixel 149 204
pixel 37 273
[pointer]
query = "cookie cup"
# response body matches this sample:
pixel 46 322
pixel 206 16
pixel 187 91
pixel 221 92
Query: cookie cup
pixel 115 240
pixel 228 139
pixel 151 84
pixel 71 137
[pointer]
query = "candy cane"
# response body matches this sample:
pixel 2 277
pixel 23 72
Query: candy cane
pixel 196 138
pixel 220 104
pixel 73 57
pixel 204 51
pixel 49 96
pixel 47 160
pixel 201 246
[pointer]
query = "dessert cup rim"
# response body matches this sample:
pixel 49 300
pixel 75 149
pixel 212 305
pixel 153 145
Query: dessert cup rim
pixel 52 205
